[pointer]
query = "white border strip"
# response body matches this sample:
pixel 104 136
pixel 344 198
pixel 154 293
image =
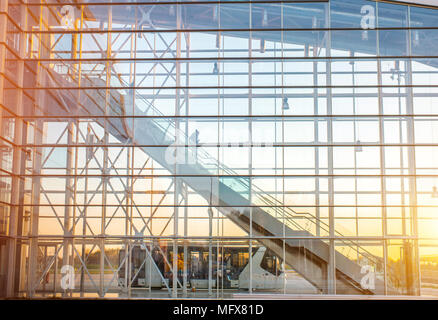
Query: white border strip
pixel 433 3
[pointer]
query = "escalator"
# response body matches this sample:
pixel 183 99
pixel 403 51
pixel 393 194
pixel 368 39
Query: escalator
pixel 219 185
pixel 234 196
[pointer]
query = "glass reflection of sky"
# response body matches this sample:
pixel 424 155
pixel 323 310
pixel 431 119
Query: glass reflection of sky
pixel 299 192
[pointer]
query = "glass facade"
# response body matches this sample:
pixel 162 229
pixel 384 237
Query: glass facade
pixel 218 148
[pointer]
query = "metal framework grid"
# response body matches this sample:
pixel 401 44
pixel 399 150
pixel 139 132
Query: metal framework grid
pixel 344 158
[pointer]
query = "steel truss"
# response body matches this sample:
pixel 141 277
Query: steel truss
pixel 103 178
